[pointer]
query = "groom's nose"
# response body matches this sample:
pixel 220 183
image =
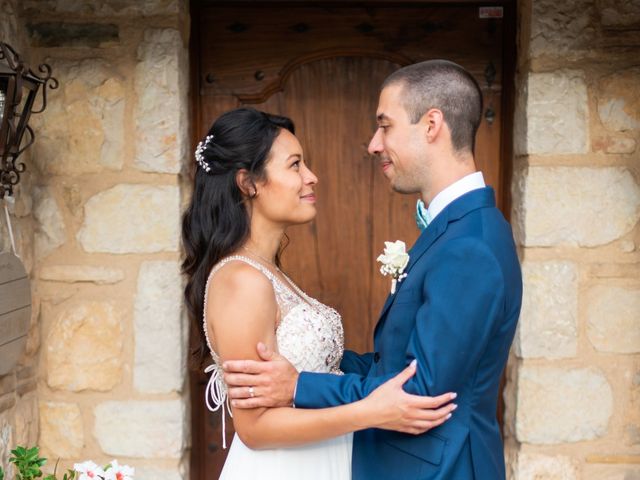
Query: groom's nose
pixel 375 145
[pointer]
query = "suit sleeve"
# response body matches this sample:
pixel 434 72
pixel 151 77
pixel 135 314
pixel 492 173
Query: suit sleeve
pixel 464 298
pixel 353 362
pixel 320 390
pixel 464 294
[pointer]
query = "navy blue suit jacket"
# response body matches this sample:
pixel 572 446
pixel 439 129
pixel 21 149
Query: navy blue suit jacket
pixel 456 313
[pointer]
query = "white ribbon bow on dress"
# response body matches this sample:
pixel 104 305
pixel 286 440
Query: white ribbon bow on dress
pixel 216 396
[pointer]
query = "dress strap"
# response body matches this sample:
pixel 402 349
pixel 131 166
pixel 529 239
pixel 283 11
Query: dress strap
pixel 216 395
pixel 217 267
pixel 257 265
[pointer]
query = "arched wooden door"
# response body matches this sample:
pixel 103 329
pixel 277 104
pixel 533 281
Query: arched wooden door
pixel 323 67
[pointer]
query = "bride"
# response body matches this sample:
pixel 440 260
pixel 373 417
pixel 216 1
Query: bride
pixel 252 183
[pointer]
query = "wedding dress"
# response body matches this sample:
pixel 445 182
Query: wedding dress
pixel 311 337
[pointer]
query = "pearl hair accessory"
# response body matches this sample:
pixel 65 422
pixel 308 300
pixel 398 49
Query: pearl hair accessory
pixel 199 157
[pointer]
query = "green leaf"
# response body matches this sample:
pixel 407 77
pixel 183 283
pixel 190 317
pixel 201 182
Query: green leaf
pixel 70 475
pixel 32 454
pixel 28 463
pixel 19 451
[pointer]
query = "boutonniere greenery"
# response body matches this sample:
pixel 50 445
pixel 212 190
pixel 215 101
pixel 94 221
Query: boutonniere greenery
pixel 394 260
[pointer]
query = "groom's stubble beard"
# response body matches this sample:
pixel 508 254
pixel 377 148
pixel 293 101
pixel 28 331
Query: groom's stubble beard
pixel 408 182
pixel 396 181
pixel 403 189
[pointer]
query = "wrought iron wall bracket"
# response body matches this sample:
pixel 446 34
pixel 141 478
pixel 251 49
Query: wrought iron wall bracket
pixel 19 89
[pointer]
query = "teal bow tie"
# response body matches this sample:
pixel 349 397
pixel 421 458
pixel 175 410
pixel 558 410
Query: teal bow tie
pixel 423 217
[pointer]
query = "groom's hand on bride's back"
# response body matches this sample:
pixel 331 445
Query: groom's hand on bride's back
pixel 271 381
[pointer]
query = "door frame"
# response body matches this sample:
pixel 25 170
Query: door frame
pixel 509 63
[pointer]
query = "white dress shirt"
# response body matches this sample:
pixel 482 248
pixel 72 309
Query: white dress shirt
pixel 466 184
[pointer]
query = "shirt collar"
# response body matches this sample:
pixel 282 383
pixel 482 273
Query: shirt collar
pixel 472 181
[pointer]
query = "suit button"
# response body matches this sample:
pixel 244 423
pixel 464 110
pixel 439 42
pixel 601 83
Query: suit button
pixel 376 357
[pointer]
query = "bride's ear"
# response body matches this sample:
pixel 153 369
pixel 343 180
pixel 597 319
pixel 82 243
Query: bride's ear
pixel 246 184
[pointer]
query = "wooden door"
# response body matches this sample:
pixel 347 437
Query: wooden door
pixel 322 66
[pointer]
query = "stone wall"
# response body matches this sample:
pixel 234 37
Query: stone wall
pixel 18 389
pixel 109 151
pixel 573 395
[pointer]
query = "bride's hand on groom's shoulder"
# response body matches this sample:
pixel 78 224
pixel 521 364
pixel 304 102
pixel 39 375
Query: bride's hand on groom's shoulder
pixel 267 383
pixel 394 409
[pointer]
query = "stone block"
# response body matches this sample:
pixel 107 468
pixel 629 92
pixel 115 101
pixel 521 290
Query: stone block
pixel 81 273
pixel 84 348
pixel 545 467
pixel 9 24
pixel 27 386
pixel 613 318
pixel 614 144
pixel 81 131
pixel 26 420
pixel 61 430
pixel 556 116
pixel 619 14
pixel 619 100
pixel 50 232
pixel 72 199
pixel 23 206
pixel 159 365
pixel 132 219
pixel 8 383
pixel 575 206
pixel 161 125
pixel 548 322
pixel 562 29
pixel 561 405
pixel 141 429
pixel 62 34
pixel 632 435
pixel 103 7
pixel 6 442
pixel 7 402
pixel 611 472
pixel 33 338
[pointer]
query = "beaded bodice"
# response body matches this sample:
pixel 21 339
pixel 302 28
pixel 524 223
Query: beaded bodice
pixel 309 334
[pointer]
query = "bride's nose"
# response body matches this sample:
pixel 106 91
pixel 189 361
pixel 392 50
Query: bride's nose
pixel 309 177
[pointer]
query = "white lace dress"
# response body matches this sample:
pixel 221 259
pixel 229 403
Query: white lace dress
pixel 311 337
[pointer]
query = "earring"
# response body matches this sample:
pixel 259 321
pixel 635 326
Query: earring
pixel 254 194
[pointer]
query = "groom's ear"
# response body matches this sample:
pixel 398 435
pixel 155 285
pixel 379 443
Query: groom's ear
pixel 433 123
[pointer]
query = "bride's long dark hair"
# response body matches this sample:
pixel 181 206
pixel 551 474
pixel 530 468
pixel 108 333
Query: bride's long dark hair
pixel 216 222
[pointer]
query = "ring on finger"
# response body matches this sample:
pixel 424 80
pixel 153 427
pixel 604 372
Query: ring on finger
pixel 252 392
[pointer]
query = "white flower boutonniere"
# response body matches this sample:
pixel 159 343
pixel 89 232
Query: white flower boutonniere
pixel 394 260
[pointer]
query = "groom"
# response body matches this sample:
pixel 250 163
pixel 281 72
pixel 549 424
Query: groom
pixel 455 311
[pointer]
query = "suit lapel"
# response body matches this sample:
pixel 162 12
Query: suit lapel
pixel 425 240
pixel 473 200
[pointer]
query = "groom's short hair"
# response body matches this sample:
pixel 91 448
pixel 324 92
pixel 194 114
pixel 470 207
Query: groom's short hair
pixel 448 87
